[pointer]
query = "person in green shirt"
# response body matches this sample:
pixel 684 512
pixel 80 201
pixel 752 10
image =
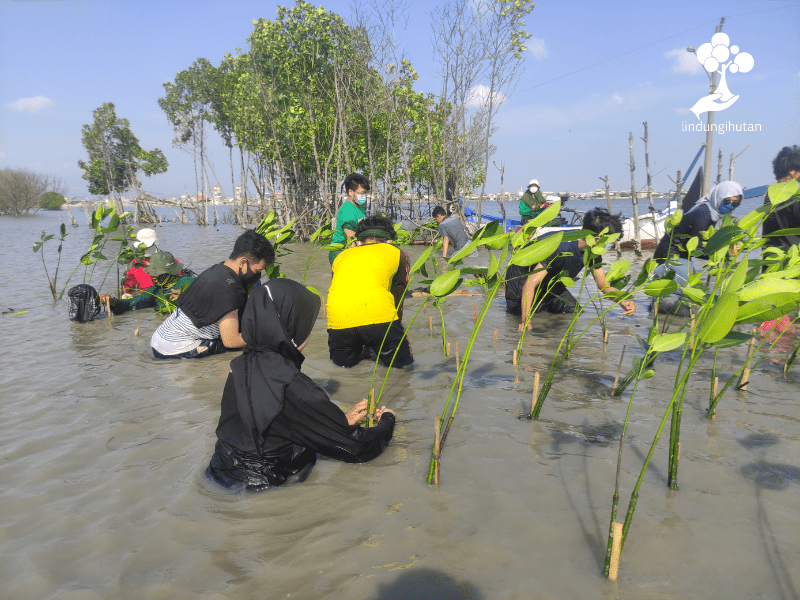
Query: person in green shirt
pixel 532 202
pixel 352 210
pixel 169 277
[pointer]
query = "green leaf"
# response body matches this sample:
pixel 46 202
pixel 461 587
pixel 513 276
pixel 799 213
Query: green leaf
pixel 495 242
pixel 537 252
pixel 791 231
pixel 36 246
pixel 723 238
pixel 737 278
pixel 767 308
pixel 696 295
pixel 667 342
pixel 753 217
pixel 422 259
pixel 648 374
pixel 660 288
pixel 466 250
pixel 544 217
pixel 493 265
pixel 314 290
pixel 781 192
pixel 767 287
pixel 691 245
pixel 445 283
pixel 792 272
pixel 734 338
pixel 63 230
pixel 647 268
pixel 719 320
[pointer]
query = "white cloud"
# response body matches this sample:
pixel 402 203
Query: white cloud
pixel 537 47
pixel 685 62
pixel 479 95
pixel 615 100
pixel 33 105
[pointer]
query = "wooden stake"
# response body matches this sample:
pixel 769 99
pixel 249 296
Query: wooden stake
pixel 456 347
pixel 514 357
pixel 474 312
pixel 605 337
pixel 370 409
pixel 616 548
pixel 714 395
pixel 535 391
pixel 495 335
pixel 746 373
pixel 457 358
pixel 619 368
pixel 437 427
pixel 425 310
pixel 448 348
pixel 136 331
pixel 108 308
pixel 430 322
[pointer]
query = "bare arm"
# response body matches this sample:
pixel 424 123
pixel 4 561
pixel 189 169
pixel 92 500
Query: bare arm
pixel 628 306
pixel 528 292
pixel 229 330
pixel 349 233
pixel 445 245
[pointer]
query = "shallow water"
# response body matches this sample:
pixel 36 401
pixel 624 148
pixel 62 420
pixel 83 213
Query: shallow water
pixel 104 450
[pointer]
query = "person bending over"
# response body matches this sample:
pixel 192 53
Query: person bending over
pixel 169 277
pixel 275 419
pixel 369 280
pixel 721 199
pixel 452 231
pixel 785 166
pixel 350 212
pixel 526 285
pixel 206 320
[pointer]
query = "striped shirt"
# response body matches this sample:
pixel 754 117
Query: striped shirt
pixel 178 334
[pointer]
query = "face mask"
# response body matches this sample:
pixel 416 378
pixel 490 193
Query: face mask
pixel 248 277
pixel 726 207
pixel 361 199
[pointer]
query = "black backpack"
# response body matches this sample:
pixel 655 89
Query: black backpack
pixel 84 303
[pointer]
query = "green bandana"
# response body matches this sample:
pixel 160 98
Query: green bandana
pixel 381 234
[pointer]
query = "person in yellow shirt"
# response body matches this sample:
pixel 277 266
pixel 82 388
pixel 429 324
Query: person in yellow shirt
pixel 366 298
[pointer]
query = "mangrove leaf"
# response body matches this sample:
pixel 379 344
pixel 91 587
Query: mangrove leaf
pixel 719 320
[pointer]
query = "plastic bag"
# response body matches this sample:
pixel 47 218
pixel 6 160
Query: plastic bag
pixel 84 303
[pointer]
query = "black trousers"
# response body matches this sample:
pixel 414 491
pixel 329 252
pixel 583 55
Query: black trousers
pixel 558 301
pixel 347 346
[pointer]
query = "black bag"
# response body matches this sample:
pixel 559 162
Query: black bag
pixel 84 303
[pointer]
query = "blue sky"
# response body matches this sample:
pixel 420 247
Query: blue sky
pixel 594 72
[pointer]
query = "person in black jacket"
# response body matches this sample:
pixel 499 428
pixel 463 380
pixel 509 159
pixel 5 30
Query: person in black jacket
pixel 721 199
pixel 785 166
pixel 274 419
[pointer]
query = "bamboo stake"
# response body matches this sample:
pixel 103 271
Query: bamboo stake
pixel 616 548
pixel 448 348
pixel 514 357
pixel 430 322
pixel 605 337
pixel 108 309
pixel 474 312
pixel 136 331
pixel 495 335
pixel 457 357
pixel 456 347
pixel 619 368
pixel 714 397
pixel 535 391
pixel 425 310
pixel 437 427
pixel 370 409
pixel 746 372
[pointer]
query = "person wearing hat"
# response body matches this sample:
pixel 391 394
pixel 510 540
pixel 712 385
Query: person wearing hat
pixel 365 300
pixel 532 202
pixel 169 278
pixel 136 278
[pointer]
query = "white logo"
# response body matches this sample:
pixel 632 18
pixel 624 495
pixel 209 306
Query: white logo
pixel 713 56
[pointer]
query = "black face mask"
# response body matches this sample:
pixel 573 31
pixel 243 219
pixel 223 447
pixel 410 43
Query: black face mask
pixel 248 278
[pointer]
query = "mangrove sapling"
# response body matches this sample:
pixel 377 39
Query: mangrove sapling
pixel 280 237
pixel 101 238
pixel 319 239
pixel 39 246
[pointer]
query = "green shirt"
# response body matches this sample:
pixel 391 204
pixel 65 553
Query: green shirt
pixel 531 205
pixel 348 217
pixel 147 299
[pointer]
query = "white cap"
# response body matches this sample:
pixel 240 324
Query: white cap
pixel 145 237
pixel 530 183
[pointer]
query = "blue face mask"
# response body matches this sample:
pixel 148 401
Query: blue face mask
pixel 361 199
pixel 727 207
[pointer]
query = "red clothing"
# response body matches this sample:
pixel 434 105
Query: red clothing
pixel 136 279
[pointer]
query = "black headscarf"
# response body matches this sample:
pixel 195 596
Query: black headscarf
pixel 279 316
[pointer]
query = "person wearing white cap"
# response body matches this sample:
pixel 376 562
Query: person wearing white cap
pixel 136 278
pixel 532 202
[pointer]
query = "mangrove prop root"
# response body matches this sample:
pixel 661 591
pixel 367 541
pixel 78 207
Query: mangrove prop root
pixel 616 548
pixel 619 368
pixel 437 425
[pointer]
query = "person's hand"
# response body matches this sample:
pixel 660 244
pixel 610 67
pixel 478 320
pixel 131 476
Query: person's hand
pixel 521 327
pixel 174 293
pixel 358 412
pixel 628 307
pixel 734 250
pixel 381 410
pixel 111 300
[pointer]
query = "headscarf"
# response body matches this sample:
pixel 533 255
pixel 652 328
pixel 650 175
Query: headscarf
pixel 715 196
pixel 279 316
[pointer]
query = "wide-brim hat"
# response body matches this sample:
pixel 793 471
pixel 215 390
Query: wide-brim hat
pixel 145 237
pixel 533 182
pixel 161 263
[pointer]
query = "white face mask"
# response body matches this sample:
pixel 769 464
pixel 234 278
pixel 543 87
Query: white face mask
pixel 361 199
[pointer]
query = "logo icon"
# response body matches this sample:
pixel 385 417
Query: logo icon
pixel 713 56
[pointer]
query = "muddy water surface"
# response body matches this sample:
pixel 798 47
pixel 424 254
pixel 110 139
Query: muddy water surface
pixel 103 452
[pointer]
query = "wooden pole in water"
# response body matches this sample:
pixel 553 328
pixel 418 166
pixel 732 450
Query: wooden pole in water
pixel 457 357
pixel 370 409
pixel 605 337
pixel 108 308
pixel 448 348
pixel 746 372
pixel 474 312
pixel 136 331
pixel 495 335
pixel 437 427
pixel 616 548
pixel 535 391
pixel 619 368
pixel 714 396
pixel 514 357
pixel 430 322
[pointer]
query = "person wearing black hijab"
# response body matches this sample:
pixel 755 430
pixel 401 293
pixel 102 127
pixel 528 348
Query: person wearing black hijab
pixel 274 419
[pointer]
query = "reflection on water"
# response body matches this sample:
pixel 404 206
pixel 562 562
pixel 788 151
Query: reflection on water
pixel 104 451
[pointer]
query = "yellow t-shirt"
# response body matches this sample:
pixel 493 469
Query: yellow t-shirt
pixel 360 291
